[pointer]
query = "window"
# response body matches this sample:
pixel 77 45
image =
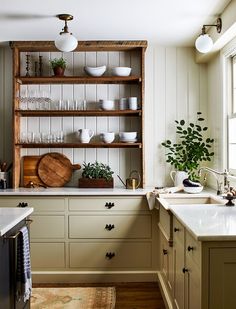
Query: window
pixel 232 122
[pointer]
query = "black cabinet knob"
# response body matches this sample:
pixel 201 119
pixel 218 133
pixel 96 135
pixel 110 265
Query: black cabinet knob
pixel 176 229
pixel 190 248
pixel 185 270
pixel 22 204
pixel 109 227
pixel 109 205
pixel 110 255
pixel 165 251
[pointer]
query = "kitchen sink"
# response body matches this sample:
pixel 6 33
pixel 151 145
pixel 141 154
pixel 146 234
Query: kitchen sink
pixel 193 200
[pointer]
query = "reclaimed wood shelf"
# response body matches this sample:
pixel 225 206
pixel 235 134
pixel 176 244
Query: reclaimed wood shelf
pixel 71 113
pixel 79 145
pixel 23 80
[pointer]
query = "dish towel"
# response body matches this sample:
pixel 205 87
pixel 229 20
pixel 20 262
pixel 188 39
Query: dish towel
pixel 23 276
pixel 151 196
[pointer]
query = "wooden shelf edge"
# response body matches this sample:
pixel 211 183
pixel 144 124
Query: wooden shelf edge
pixel 78 80
pixel 79 145
pixel 74 113
pixel 93 45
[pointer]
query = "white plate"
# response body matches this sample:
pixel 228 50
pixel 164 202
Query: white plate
pixel 129 140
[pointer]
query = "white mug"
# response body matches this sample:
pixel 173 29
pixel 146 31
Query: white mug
pixel 107 137
pixel 133 103
pixel 178 177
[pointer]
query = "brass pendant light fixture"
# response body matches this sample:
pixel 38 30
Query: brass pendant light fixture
pixel 65 41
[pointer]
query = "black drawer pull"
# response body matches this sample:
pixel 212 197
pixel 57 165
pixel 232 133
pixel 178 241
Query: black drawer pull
pixel 185 270
pixel 190 248
pixel 176 229
pixel 109 227
pixel 109 205
pixel 22 204
pixel 165 251
pixel 110 255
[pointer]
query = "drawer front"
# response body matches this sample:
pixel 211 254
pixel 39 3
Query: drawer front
pixel 193 249
pixel 108 203
pixel 110 255
pixel 114 226
pixel 165 222
pixel 178 231
pixel 39 204
pixel 47 227
pixel 47 255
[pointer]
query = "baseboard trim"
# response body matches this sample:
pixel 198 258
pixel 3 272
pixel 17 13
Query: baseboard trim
pixel 89 276
pixel 164 292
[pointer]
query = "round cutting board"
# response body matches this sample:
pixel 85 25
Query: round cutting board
pixel 55 169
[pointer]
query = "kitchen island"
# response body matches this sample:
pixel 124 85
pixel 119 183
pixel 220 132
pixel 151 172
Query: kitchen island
pixel 11 220
pixel 198 252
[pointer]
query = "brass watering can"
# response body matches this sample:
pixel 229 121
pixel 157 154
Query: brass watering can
pixel 134 180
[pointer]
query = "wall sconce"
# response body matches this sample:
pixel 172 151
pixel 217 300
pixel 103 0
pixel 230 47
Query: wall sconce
pixel 204 42
pixel 65 41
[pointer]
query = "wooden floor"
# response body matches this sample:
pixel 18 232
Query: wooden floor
pixel 143 295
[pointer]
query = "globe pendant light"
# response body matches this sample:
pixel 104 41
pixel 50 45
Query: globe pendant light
pixel 204 42
pixel 65 41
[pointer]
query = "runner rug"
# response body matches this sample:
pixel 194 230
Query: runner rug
pixel 73 298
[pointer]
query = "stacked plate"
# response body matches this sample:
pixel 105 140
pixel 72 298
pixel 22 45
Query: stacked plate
pixel 128 137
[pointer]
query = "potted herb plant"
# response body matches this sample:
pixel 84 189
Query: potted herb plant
pixel 96 175
pixel 58 65
pixel 191 148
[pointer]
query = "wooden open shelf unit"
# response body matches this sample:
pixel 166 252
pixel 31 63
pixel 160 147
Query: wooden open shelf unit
pixel 19 80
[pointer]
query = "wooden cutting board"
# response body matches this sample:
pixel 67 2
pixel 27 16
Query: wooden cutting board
pixel 30 171
pixel 55 169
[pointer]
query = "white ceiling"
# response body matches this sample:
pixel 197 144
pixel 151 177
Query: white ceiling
pixel 165 22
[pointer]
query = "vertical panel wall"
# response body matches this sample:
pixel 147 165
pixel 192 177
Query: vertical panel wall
pixel 175 88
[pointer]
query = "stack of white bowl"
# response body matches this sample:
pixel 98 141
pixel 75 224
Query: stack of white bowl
pixel 128 137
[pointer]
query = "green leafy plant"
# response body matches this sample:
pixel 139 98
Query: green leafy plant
pixel 191 147
pixel 58 62
pixel 97 170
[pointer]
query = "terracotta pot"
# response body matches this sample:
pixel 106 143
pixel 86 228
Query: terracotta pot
pixel 95 183
pixel 58 71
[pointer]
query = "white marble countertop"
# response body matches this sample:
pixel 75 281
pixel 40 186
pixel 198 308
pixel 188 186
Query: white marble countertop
pixel 73 191
pixel 9 217
pixel 207 222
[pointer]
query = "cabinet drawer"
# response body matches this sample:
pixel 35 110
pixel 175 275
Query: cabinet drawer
pixel 122 255
pixel 47 255
pixel 178 231
pixel 114 226
pixel 108 203
pixel 193 248
pixel 39 204
pixel 165 222
pixel 47 227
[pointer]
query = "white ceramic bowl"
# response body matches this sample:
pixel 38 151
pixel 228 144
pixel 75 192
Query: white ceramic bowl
pixel 107 137
pixel 107 104
pixel 121 71
pixel 95 71
pixel 128 136
pixel 193 189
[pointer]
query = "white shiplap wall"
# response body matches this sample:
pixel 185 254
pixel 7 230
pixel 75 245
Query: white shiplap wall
pixel 176 87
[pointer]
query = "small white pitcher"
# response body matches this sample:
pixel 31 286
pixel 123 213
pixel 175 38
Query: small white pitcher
pixel 178 177
pixel 85 135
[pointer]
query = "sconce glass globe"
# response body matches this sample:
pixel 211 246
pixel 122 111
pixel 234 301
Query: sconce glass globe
pixel 204 43
pixel 66 42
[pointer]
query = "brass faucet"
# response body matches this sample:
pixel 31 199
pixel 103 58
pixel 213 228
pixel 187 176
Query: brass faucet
pixel 217 173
